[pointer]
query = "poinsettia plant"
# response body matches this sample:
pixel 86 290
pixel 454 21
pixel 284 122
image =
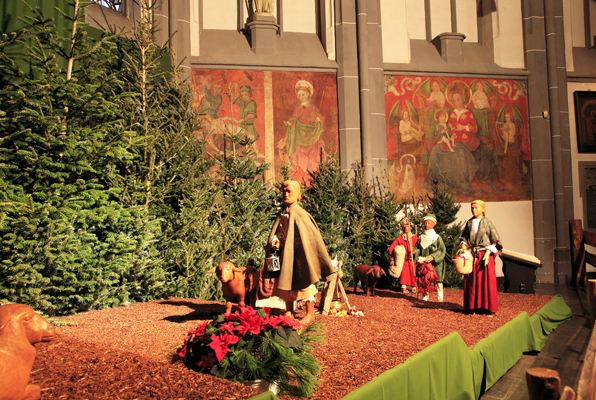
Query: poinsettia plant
pixel 253 344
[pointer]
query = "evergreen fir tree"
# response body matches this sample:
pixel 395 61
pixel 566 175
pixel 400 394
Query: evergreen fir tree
pixel 65 243
pixel 326 200
pixel 168 176
pixel 386 227
pixel 362 217
pixel 248 204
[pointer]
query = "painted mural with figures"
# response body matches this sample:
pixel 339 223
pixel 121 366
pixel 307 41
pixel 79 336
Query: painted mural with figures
pixel 468 136
pixel 291 115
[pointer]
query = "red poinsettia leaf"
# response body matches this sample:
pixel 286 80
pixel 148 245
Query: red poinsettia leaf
pixel 254 324
pixel 227 327
pixel 220 347
pixel 241 329
pixel 230 339
pixel 206 361
pixel 200 330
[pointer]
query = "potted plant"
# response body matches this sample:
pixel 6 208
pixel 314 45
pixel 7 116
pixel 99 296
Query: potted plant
pixel 253 344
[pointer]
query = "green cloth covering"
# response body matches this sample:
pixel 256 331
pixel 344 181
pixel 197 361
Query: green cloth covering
pixel 265 396
pixel 448 369
pixel 497 353
pixel 437 372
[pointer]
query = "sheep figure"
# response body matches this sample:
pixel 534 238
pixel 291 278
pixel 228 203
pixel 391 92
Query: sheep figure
pixel 237 283
pixel 20 328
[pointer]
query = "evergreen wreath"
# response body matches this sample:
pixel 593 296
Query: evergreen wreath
pixel 252 344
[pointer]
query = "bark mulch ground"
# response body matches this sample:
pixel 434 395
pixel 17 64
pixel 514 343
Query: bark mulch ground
pixel 125 353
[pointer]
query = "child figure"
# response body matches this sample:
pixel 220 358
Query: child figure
pixel 443 130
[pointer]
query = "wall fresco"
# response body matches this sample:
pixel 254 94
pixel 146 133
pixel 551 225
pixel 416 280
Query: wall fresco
pixel 292 115
pixel 469 136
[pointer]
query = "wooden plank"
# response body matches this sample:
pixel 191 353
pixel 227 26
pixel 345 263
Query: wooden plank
pixel 343 294
pixel 327 295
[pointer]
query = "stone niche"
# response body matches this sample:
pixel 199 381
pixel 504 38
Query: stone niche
pixel 263 30
pixel 449 45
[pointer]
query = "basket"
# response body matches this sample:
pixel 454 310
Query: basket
pixel 463 262
pixel 399 255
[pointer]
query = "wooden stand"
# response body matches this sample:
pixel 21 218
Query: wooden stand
pixel 579 255
pixel 333 288
pixel 543 384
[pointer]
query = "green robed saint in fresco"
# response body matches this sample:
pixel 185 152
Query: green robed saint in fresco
pixel 304 130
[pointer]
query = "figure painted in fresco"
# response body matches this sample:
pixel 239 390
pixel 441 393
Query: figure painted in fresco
pixel 443 130
pixel 407 130
pixel 480 99
pixel 508 129
pixel 508 132
pixel 304 130
pixel 247 112
pixel 436 98
pixel 212 100
pixel 409 175
pixel 393 86
pixel 472 158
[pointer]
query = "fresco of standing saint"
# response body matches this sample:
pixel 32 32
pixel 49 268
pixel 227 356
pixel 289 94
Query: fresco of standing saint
pixel 308 107
pixel 304 130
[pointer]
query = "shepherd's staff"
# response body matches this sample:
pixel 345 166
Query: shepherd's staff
pixel 412 260
pixel 283 109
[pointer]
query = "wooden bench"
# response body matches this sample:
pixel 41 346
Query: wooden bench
pixel 579 255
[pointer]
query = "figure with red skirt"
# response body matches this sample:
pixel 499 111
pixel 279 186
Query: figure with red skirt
pixel 401 264
pixel 481 237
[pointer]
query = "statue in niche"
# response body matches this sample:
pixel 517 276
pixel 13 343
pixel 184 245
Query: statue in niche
pixel 263 6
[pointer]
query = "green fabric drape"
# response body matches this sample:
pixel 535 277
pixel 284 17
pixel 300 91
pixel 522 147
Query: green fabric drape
pixel 265 396
pixel 448 369
pixel 434 373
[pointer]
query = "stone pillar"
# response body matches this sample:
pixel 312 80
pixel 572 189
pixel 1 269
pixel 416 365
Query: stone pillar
pixel 565 148
pixel 557 84
pixel 377 94
pixel 347 83
pixel 364 85
pixel 179 27
pixel 161 22
pixel 543 204
pixel 549 134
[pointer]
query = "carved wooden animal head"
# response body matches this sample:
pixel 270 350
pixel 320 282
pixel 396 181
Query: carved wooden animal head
pixel 225 271
pixel 375 272
pixel 22 318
